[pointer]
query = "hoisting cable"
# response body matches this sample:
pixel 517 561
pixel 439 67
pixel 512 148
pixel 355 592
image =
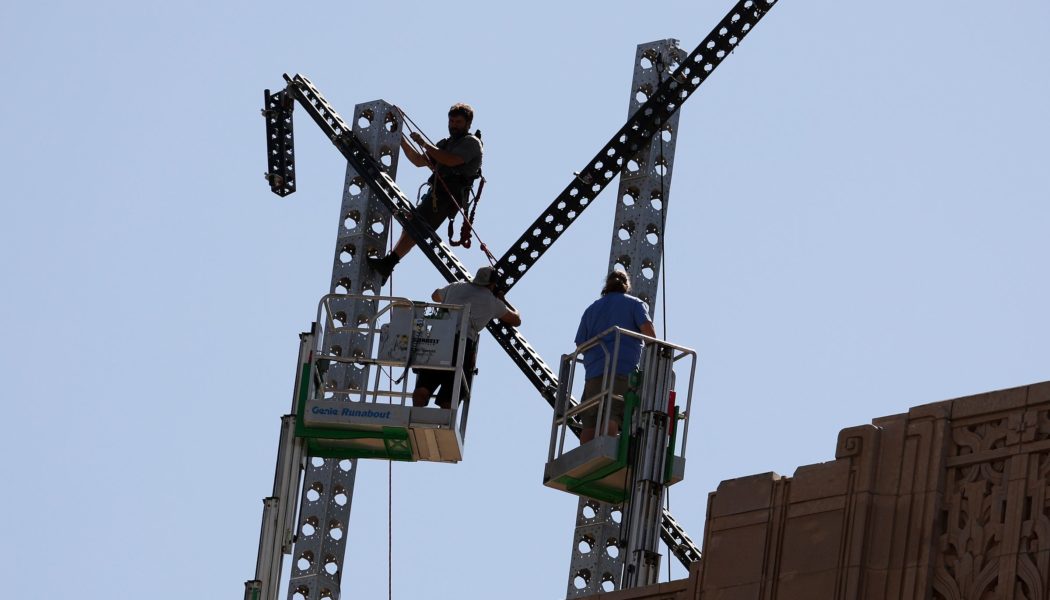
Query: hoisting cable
pixel 659 64
pixel 390 530
pixel 390 468
pixel 468 219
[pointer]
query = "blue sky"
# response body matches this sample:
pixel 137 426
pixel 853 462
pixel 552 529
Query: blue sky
pixel 858 224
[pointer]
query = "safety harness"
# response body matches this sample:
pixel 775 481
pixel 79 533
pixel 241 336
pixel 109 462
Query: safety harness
pixel 467 229
pixel 457 180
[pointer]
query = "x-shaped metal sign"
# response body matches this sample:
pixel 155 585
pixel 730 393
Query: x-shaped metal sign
pixel 588 183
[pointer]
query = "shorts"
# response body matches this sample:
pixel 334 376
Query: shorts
pixel 593 386
pixel 442 382
pixel 435 207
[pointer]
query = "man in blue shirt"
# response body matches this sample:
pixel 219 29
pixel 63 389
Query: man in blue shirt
pixel 614 309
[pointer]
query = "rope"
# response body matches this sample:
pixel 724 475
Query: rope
pixel 390 473
pixel 659 63
pixel 468 220
pixel 390 531
pixel 466 228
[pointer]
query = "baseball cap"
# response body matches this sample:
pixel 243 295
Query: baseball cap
pixel 484 276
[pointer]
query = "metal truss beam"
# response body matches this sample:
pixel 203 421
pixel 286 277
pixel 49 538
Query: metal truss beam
pixel 363 229
pixel 645 185
pixel 280 150
pixel 629 140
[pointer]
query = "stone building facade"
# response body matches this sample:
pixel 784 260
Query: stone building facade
pixel 950 501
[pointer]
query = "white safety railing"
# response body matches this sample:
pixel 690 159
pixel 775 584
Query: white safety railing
pixel 568 417
pixel 401 335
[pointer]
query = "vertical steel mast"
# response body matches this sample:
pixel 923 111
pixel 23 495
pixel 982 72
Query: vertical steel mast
pixel 636 247
pixel 322 527
pixel 328 485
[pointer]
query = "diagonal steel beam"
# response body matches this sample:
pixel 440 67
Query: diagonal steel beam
pixel 629 140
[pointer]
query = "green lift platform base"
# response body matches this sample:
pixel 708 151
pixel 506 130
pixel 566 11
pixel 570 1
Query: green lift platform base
pixel 342 429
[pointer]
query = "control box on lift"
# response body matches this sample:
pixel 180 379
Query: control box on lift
pixel 427 341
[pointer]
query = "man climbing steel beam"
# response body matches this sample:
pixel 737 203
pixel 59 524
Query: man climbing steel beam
pixel 456 163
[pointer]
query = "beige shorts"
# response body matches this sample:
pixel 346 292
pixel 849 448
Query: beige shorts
pixel 593 386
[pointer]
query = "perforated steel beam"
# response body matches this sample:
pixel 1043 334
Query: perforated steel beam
pixel 280 150
pixel 650 118
pixel 645 184
pixel 363 231
pixel 328 485
pixel 596 563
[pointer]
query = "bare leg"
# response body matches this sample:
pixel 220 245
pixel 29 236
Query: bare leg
pixel 421 396
pixel 586 435
pixel 404 244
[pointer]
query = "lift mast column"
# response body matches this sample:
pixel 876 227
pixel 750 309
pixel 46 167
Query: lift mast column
pixel 647 480
pixel 628 468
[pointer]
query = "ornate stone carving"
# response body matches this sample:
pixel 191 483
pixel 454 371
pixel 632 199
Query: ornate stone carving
pixel 1033 560
pixel 949 501
pixel 967 565
pixel 995 515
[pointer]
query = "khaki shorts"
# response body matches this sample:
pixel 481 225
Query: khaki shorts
pixel 592 386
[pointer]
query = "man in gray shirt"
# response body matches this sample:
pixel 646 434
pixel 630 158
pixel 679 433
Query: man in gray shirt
pixel 456 161
pixel 480 295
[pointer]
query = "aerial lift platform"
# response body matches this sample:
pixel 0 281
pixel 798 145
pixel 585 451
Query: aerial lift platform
pixel 600 468
pixel 378 420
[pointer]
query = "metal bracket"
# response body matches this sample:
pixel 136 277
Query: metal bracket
pixel 280 142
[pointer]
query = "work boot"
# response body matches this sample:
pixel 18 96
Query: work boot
pixel 384 266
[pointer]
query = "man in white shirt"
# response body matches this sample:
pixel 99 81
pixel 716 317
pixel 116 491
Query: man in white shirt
pixel 479 294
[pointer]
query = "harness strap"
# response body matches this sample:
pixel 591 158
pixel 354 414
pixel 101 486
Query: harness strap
pixel 467 228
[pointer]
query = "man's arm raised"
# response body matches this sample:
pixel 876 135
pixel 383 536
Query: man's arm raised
pixel 511 317
pixel 648 329
pixel 441 157
pixel 413 157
